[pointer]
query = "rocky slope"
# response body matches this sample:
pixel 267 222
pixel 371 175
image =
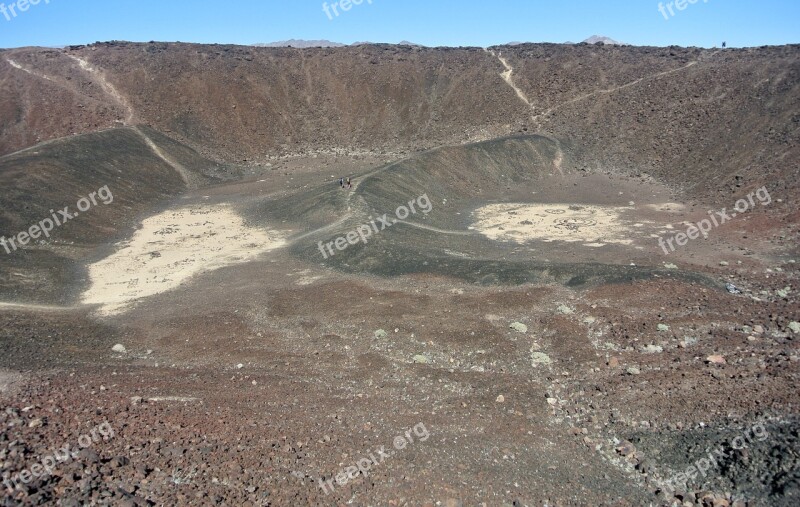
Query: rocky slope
pixel 684 115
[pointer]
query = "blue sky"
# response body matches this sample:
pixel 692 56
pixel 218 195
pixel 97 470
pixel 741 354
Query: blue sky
pixel 705 23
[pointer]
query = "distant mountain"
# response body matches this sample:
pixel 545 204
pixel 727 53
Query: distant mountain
pixel 302 44
pixel 299 43
pixel 591 40
pixel 594 39
pixel 401 43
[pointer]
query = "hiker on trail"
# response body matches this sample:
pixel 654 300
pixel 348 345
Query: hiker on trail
pixel 724 45
pixel 341 182
pixel 349 185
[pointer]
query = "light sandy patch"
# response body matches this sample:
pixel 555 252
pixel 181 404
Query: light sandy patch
pixel 308 280
pixel 169 249
pixel 456 254
pixel 586 224
pixel 669 207
pixel 179 399
pixel 8 378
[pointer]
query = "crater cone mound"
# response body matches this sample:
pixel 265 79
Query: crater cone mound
pixel 507 211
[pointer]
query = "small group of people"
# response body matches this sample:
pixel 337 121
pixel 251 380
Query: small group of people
pixel 345 183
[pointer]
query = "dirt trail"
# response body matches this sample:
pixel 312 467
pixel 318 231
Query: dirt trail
pixel 188 177
pixel 537 118
pixel 39 308
pixel 349 214
pixel 612 90
pixel 508 77
pixel 322 229
pixel 29 71
pixel 107 87
pixel 435 229
pixel 70 86
pixel 34 147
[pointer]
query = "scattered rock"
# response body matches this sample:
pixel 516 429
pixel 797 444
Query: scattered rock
pixel 501 399
pixel 795 327
pixel 566 310
pixel 380 333
pixel 538 358
pixel 613 362
pixel 663 328
pixel 36 423
pixel 712 500
pixel 626 448
pixel 239 366
pixel 759 329
pixel 652 349
pixel 732 288
pixel 519 327
pixel 670 266
pixel 715 359
pixel 633 370
pixel 784 293
pixel 589 320
pixel 89 455
pixel 119 349
pixel 421 359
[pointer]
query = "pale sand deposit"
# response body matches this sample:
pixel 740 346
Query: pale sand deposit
pixel 593 226
pixel 169 249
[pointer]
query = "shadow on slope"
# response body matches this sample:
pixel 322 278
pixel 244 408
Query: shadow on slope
pixel 41 181
pixel 455 180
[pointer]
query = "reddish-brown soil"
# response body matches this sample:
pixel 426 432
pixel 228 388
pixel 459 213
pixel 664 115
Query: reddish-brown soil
pixel 255 383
